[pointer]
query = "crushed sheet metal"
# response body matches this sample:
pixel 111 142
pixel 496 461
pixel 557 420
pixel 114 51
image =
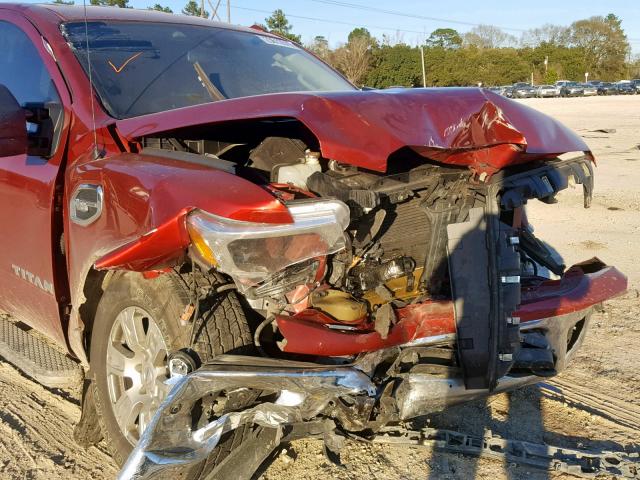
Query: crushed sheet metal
pixel 170 445
pixel 581 463
pixel 468 127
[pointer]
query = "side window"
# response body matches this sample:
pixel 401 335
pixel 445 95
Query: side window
pixel 24 73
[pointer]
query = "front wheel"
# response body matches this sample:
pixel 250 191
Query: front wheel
pixel 136 327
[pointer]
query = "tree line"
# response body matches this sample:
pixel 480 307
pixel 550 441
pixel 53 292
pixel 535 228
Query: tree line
pixel 485 54
pixel 597 46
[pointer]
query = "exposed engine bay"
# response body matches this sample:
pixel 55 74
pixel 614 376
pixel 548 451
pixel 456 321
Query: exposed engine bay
pixel 397 259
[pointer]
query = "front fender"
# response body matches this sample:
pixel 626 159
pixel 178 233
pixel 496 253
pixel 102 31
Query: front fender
pixel 142 225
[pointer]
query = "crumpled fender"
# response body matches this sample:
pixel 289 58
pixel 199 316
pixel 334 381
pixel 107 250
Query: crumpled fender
pixel 146 201
pixel 468 127
pixel 142 225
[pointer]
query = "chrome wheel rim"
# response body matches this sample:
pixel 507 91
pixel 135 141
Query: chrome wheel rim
pixel 136 370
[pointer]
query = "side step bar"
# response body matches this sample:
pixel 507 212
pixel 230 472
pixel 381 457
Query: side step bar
pixel 36 357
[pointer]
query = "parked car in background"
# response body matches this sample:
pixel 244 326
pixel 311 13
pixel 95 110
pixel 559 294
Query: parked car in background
pixel 607 88
pixel 636 84
pixel 562 83
pixel 571 89
pixel 625 88
pixel 589 90
pixel 523 90
pixel 543 91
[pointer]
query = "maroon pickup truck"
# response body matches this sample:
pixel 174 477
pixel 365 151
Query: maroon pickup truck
pixel 240 247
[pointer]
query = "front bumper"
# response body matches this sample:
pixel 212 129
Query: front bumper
pixel 171 445
pixel 433 323
pixel 420 394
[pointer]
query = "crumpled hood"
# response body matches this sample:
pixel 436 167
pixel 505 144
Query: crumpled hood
pixel 460 126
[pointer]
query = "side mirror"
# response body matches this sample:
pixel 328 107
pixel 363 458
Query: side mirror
pixel 13 125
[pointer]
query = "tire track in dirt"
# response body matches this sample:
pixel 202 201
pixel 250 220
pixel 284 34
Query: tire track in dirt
pixel 36 434
pixel 608 406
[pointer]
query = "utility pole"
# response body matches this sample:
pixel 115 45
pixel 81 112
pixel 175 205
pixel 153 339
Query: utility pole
pixel 202 8
pixel 424 72
pixel 546 64
pixel 228 11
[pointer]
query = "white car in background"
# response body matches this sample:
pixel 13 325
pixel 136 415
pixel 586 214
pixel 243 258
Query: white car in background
pixel 589 90
pixel 543 91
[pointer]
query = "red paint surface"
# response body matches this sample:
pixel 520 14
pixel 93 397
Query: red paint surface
pixel 146 200
pixel 28 237
pixel 574 292
pixel 461 126
pixel 307 333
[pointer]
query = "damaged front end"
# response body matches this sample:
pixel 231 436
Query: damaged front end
pixel 388 295
pixel 404 336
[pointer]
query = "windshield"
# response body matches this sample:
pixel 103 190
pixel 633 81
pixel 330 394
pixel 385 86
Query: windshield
pixel 140 68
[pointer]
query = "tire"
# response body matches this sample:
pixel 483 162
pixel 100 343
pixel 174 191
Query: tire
pixel 222 328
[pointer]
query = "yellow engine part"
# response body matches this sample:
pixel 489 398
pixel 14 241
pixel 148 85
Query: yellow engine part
pixel 339 305
pixel 398 288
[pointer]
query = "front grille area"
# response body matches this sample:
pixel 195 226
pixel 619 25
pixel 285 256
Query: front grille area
pixel 405 231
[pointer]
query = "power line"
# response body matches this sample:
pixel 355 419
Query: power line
pixel 356 6
pixel 389 12
pixel 327 20
pixel 340 3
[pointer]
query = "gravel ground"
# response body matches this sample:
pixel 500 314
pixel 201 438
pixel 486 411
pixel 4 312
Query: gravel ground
pixel 36 423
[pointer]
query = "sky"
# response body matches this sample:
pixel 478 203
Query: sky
pixel 334 19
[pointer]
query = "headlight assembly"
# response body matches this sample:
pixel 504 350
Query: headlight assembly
pixel 253 252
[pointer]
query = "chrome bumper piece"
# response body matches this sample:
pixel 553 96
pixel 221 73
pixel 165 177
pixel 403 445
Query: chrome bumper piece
pixel 171 445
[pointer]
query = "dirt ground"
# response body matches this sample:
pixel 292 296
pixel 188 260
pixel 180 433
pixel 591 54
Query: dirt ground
pixel 600 411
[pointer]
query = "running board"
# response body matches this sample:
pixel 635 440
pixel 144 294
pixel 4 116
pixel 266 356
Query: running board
pixel 36 357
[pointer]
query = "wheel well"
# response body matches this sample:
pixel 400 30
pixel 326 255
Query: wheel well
pixel 93 289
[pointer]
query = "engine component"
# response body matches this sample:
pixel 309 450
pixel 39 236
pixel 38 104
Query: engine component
pixel 385 318
pixel 539 252
pixel 339 305
pixel 274 151
pixel 535 356
pixel 401 288
pixel 298 173
pixel 302 273
pixel 358 199
pixel 181 363
pixel 368 277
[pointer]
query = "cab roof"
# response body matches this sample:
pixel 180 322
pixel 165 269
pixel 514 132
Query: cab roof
pixel 53 13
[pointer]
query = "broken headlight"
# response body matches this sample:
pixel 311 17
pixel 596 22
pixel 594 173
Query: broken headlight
pixel 252 253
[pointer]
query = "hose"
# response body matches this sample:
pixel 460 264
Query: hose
pixel 256 334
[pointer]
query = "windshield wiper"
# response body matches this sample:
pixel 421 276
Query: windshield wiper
pixel 213 92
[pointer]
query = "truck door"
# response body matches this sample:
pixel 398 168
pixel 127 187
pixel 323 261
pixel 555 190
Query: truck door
pixel 33 284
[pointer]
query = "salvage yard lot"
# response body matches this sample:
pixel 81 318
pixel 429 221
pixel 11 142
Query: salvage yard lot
pixel 36 424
